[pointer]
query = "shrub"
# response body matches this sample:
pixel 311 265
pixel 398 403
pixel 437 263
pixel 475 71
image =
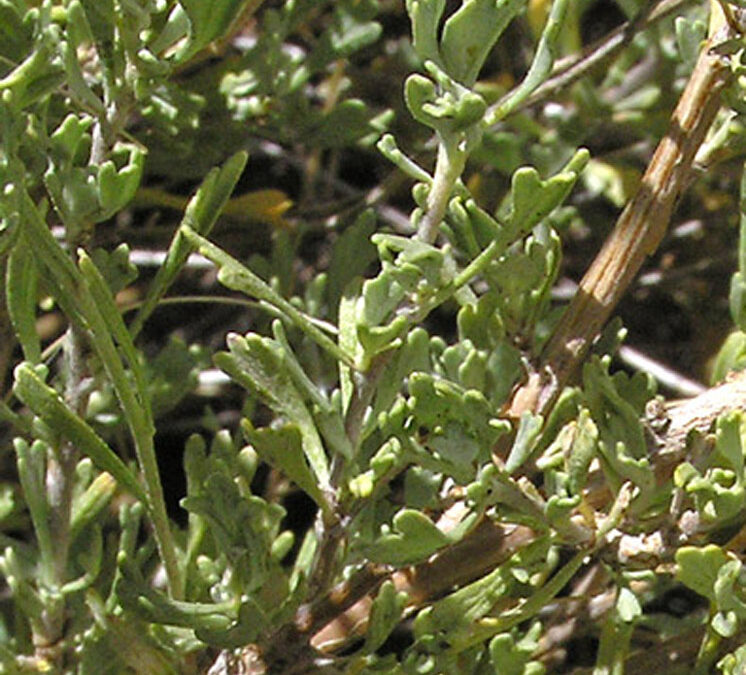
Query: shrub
pixel 290 383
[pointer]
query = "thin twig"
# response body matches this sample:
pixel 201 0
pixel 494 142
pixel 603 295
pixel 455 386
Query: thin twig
pixel 673 380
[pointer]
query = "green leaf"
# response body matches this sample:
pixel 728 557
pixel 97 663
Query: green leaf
pixel 729 442
pixel 74 194
pixel 259 364
pixel 729 594
pixel 102 296
pixel 474 228
pixel 307 388
pixel 413 355
pixel 208 22
pixel 470 33
pixel 453 618
pixel 173 374
pixel 730 356
pixel 614 643
pixel 117 187
pixel 244 528
pixel 31 461
pixel 34 79
pixel 350 34
pixel 376 339
pixel 615 403
pixel 87 301
pixel 346 123
pixel 75 79
pixel 250 623
pixel 115 267
pixel 697 568
pixel 381 296
pixel 529 432
pixel 52 259
pixel 559 512
pixel 541 66
pixel 50 407
pixel 21 284
pixel 456 425
pixel 107 325
pixel 78 29
pixel 418 92
pixel 447 108
pixel 627 605
pixel 25 593
pixel 480 324
pixel 584 448
pixel 213 621
pixel 15 37
pixel 351 255
pixel 738 281
pixel 66 139
pixel 725 624
pixel 414 537
pixel 385 614
pixel 513 657
pixel 102 21
pixel 719 489
pixel 389 149
pixel 734 663
pixel 88 506
pixel 120 643
pixel 737 299
pixel 87 193
pixel 282 449
pixel 348 340
pixel 201 214
pixel 238 277
pixel 689 36
pixel 534 199
pixel 425 17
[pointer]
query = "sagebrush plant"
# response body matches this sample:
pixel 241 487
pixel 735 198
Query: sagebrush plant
pixel 337 379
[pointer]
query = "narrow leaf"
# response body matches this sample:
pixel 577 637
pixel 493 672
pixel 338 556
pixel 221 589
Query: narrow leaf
pixel 541 67
pixel 201 214
pixel 20 289
pixel 385 613
pixel 49 406
pixel 104 301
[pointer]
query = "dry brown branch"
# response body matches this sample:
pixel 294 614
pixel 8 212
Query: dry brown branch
pixel 488 546
pixel 636 235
